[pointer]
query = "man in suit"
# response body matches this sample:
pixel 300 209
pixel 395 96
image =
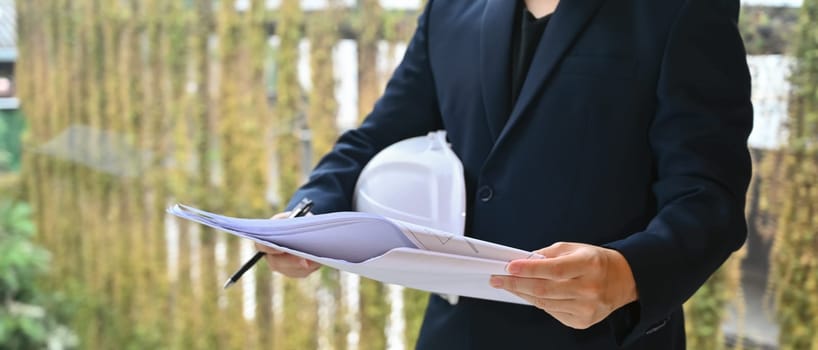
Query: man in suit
pixel 609 136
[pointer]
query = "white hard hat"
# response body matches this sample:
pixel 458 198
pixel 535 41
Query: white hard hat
pixel 417 180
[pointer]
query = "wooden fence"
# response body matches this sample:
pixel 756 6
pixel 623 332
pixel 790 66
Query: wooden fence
pixel 136 104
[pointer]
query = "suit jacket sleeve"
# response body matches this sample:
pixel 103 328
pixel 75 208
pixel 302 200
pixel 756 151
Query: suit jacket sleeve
pixel 699 142
pixel 407 108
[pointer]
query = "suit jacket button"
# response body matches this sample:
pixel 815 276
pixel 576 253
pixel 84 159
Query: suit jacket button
pixel 485 193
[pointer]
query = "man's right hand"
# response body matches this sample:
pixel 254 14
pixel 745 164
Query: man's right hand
pixel 284 263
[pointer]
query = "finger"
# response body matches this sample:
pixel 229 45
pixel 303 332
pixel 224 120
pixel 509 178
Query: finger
pixel 291 265
pixel 282 215
pixel 268 250
pixel 537 288
pixel 288 262
pixel 559 268
pixel 311 266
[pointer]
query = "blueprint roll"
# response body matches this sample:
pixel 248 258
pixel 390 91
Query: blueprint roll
pixel 417 180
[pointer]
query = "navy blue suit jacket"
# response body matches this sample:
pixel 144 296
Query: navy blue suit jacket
pixel 629 132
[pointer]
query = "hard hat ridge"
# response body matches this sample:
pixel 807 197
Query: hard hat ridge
pixel 418 180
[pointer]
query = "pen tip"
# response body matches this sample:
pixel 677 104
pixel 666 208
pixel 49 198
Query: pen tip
pixel 228 283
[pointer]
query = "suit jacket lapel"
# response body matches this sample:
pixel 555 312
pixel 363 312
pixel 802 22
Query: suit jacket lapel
pixel 495 47
pixel 565 25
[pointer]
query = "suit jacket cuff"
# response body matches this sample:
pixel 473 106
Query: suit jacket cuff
pixel 653 308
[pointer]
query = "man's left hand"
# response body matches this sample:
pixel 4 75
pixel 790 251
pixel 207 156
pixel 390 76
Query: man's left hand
pixel 578 284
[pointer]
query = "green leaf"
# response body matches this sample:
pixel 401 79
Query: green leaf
pixel 33 329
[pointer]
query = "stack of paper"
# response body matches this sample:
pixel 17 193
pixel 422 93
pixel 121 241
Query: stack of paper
pixel 382 249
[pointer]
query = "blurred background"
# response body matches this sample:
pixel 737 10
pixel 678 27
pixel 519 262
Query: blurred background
pixel 112 110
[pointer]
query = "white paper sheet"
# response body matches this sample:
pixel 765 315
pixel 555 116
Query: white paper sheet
pixel 375 247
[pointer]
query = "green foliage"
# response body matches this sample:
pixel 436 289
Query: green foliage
pixel 12 126
pixel 183 84
pixel 795 249
pixel 25 323
pixel 414 307
pixel 369 25
pixel 705 311
pixel 289 107
pixel 374 312
pixel 767 30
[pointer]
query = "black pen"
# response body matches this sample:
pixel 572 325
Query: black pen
pixel 302 208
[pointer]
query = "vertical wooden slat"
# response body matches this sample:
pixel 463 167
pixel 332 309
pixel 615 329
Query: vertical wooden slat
pixel 322 29
pixel 373 307
pixel 794 267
